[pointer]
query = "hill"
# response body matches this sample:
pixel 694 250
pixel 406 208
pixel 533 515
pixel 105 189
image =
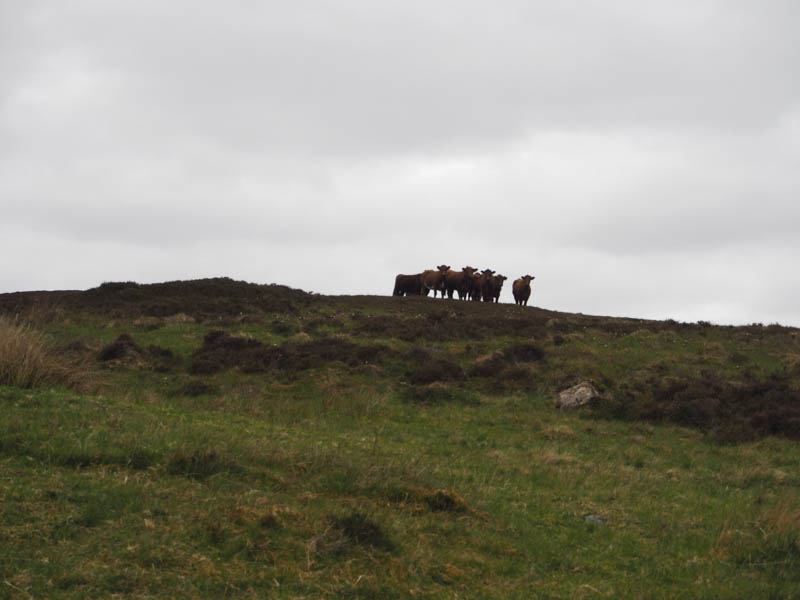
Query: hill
pixel 218 437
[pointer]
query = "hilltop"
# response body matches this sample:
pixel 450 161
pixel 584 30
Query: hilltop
pixel 237 437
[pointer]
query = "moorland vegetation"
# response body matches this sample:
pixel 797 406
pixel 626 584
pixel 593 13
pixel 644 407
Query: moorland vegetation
pixel 216 437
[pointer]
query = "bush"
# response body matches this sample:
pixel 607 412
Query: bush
pixel 27 359
pixel 437 393
pixel 729 412
pixel 346 532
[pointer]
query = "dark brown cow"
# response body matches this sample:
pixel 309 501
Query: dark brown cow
pixel 522 289
pixel 475 285
pixel 408 285
pixel 487 285
pixel 434 280
pixel 498 285
pixel 459 281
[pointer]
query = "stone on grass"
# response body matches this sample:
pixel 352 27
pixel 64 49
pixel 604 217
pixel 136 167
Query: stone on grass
pixel 577 396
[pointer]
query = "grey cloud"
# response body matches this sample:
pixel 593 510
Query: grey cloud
pixel 324 77
pixel 639 159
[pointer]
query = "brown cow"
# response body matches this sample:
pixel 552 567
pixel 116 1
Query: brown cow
pixel 522 289
pixel 498 285
pixel 459 281
pixel 475 286
pixel 434 280
pixel 408 285
pixel 487 285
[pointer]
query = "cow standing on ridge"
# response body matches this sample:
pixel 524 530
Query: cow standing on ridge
pixel 459 281
pixel 498 285
pixel 434 280
pixel 487 285
pixel 408 285
pixel 522 289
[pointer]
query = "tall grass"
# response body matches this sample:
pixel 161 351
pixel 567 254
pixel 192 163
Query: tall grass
pixel 27 359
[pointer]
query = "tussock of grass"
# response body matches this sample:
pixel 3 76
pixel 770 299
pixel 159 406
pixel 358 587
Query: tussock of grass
pixel 27 359
pixel 199 464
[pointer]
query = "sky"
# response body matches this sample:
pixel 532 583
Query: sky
pixel 640 159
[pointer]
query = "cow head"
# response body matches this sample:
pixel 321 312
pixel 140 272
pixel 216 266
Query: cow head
pixel 443 269
pixel 488 272
pixel 469 271
pixel 499 279
pixel 528 278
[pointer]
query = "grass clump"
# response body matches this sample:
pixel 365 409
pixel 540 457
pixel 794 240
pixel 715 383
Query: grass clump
pixel 437 393
pixel 28 360
pixel 199 464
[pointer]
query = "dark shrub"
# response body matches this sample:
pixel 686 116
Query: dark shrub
pixel 222 351
pixel 199 464
pixel 516 374
pixel 197 387
pixel 444 501
pixel 437 393
pixel 729 412
pixel 121 348
pixel 162 359
pixel 437 369
pixel 523 352
pixel 284 328
pixel 356 529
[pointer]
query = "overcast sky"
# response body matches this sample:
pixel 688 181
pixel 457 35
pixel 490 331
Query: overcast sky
pixel 639 158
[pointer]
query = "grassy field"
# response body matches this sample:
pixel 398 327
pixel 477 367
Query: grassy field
pixel 216 438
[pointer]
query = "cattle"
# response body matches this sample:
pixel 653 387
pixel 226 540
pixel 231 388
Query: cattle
pixel 498 285
pixel 487 285
pixel 459 281
pixel 434 280
pixel 475 285
pixel 408 285
pixel 522 289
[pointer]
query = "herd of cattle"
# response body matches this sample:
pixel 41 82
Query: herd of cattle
pixel 468 283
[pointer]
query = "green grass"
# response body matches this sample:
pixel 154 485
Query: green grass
pixel 338 481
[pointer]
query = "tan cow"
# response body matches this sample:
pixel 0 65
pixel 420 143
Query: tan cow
pixel 522 289
pixel 434 280
pixel 459 281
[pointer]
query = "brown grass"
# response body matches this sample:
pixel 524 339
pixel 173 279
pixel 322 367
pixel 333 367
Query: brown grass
pixel 28 360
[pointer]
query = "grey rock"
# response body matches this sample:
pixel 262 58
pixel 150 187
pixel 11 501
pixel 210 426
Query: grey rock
pixel 577 396
pixel 595 519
